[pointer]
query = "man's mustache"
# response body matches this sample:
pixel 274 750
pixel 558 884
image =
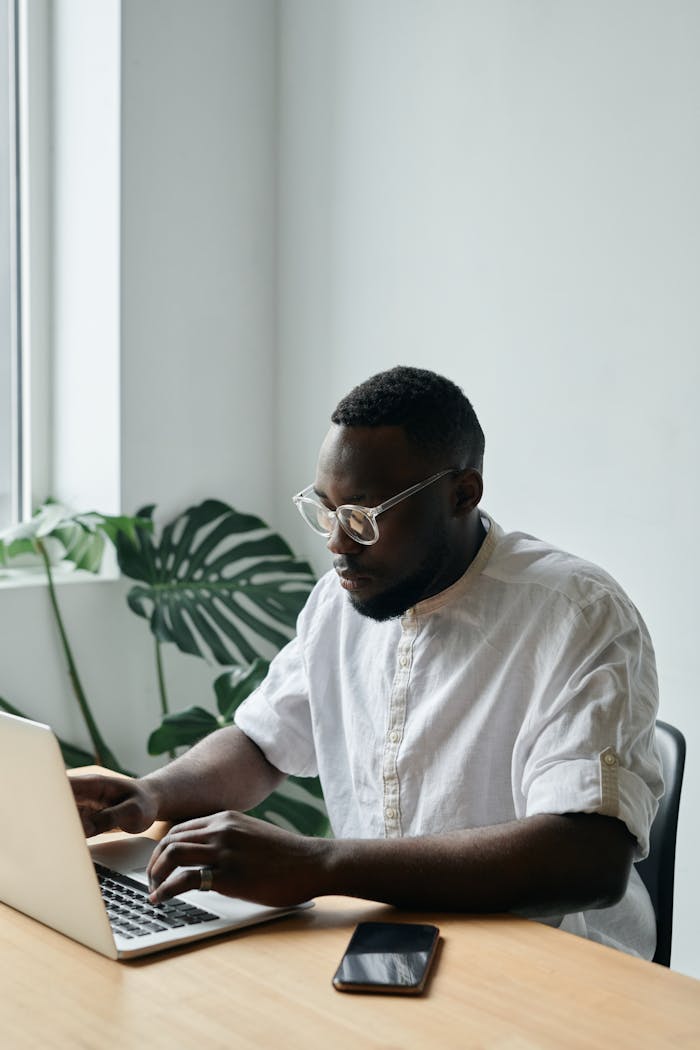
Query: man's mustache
pixel 347 564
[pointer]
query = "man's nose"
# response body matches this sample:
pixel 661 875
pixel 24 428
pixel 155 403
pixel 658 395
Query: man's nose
pixel 340 543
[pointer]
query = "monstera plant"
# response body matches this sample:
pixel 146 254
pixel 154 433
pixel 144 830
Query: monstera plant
pixel 222 586
pixel 55 541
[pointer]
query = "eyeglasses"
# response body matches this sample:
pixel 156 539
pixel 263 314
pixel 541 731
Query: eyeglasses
pixel 358 522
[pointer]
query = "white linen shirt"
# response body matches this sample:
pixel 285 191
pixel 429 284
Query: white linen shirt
pixel 526 687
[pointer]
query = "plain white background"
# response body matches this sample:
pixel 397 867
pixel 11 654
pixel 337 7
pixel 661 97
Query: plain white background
pixel 310 191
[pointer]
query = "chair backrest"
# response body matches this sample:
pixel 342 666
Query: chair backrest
pixel 657 870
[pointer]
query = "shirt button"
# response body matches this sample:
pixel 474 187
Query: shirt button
pixel 403 661
pixel 610 759
pixel 390 812
pixel 393 736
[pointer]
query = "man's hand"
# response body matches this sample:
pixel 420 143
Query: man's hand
pixel 106 803
pixel 249 858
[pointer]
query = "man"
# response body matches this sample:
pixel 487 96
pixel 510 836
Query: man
pixel 479 706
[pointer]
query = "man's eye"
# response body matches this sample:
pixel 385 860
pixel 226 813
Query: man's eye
pixel 358 520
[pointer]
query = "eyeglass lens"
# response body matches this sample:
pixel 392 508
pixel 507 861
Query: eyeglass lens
pixel 356 523
pixel 354 520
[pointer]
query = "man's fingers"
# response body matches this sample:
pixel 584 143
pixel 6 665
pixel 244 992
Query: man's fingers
pixel 179 868
pixel 106 803
pixel 175 853
pixel 97 823
pixel 125 816
pixel 190 831
pixel 94 789
pixel 179 881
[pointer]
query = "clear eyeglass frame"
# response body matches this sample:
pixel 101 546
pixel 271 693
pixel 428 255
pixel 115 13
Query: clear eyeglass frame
pixel 359 523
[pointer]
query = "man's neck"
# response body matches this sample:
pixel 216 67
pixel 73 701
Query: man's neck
pixel 465 552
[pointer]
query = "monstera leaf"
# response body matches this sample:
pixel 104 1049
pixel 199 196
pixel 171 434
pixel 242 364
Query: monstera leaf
pixel 222 585
pixel 296 805
pixel 185 728
pixel 219 584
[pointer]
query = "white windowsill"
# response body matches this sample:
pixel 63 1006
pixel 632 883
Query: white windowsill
pixel 13 578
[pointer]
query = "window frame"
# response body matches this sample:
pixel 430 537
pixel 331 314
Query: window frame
pixel 10 117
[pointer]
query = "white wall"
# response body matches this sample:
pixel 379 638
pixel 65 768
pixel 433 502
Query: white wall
pixel 507 192
pixel 189 91
pixel 198 252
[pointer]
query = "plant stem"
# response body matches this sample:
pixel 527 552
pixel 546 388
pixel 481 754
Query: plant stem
pixel 164 708
pixel 103 755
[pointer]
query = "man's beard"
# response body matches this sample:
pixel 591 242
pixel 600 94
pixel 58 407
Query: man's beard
pixel 396 599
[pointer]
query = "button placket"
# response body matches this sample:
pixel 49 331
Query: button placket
pixel 396 720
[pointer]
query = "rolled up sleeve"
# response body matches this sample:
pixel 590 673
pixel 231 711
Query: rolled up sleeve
pixel 276 716
pixel 588 743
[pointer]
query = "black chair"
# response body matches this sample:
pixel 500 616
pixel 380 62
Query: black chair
pixel 657 870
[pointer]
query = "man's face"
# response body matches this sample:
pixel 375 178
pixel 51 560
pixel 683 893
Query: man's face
pixel 415 553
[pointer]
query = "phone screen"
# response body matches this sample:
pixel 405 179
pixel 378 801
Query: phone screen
pixel 387 957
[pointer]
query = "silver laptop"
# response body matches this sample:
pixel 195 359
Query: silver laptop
pixel 48 871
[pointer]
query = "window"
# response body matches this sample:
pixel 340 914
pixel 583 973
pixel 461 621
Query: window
pixel 10 401
pixel 59 297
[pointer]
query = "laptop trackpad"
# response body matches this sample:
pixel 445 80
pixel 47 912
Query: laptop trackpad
pixel 129 856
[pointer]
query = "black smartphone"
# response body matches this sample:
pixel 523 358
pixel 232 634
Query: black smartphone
pixel 387 957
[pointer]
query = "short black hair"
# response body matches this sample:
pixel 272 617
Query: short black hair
pixel 433 411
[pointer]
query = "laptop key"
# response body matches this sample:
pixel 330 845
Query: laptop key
pixel 130 912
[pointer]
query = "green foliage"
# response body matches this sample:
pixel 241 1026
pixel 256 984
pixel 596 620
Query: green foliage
pixel 182 729
pixel 222 586
pixel 69 541
pixel 54 540
pixel 219 584
pixel 186 728
pixel 295 807
pixel 298 803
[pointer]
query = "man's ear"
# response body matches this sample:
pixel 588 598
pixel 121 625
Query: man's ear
pixel 469 488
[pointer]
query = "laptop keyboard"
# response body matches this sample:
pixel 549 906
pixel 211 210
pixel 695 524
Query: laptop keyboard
pixel 131 914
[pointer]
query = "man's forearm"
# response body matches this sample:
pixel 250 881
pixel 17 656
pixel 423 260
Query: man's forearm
pixel 541 865
pixel 226 770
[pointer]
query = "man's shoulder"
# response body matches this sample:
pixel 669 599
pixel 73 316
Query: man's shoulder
pixel 524 562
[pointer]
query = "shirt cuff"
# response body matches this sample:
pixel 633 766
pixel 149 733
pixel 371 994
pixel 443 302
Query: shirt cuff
pixel 599 785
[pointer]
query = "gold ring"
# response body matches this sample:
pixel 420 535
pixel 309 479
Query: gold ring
pixel 206 878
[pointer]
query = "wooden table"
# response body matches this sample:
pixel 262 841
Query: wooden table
pixel 499 982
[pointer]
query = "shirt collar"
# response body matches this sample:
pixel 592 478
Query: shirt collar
pixel 475 567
